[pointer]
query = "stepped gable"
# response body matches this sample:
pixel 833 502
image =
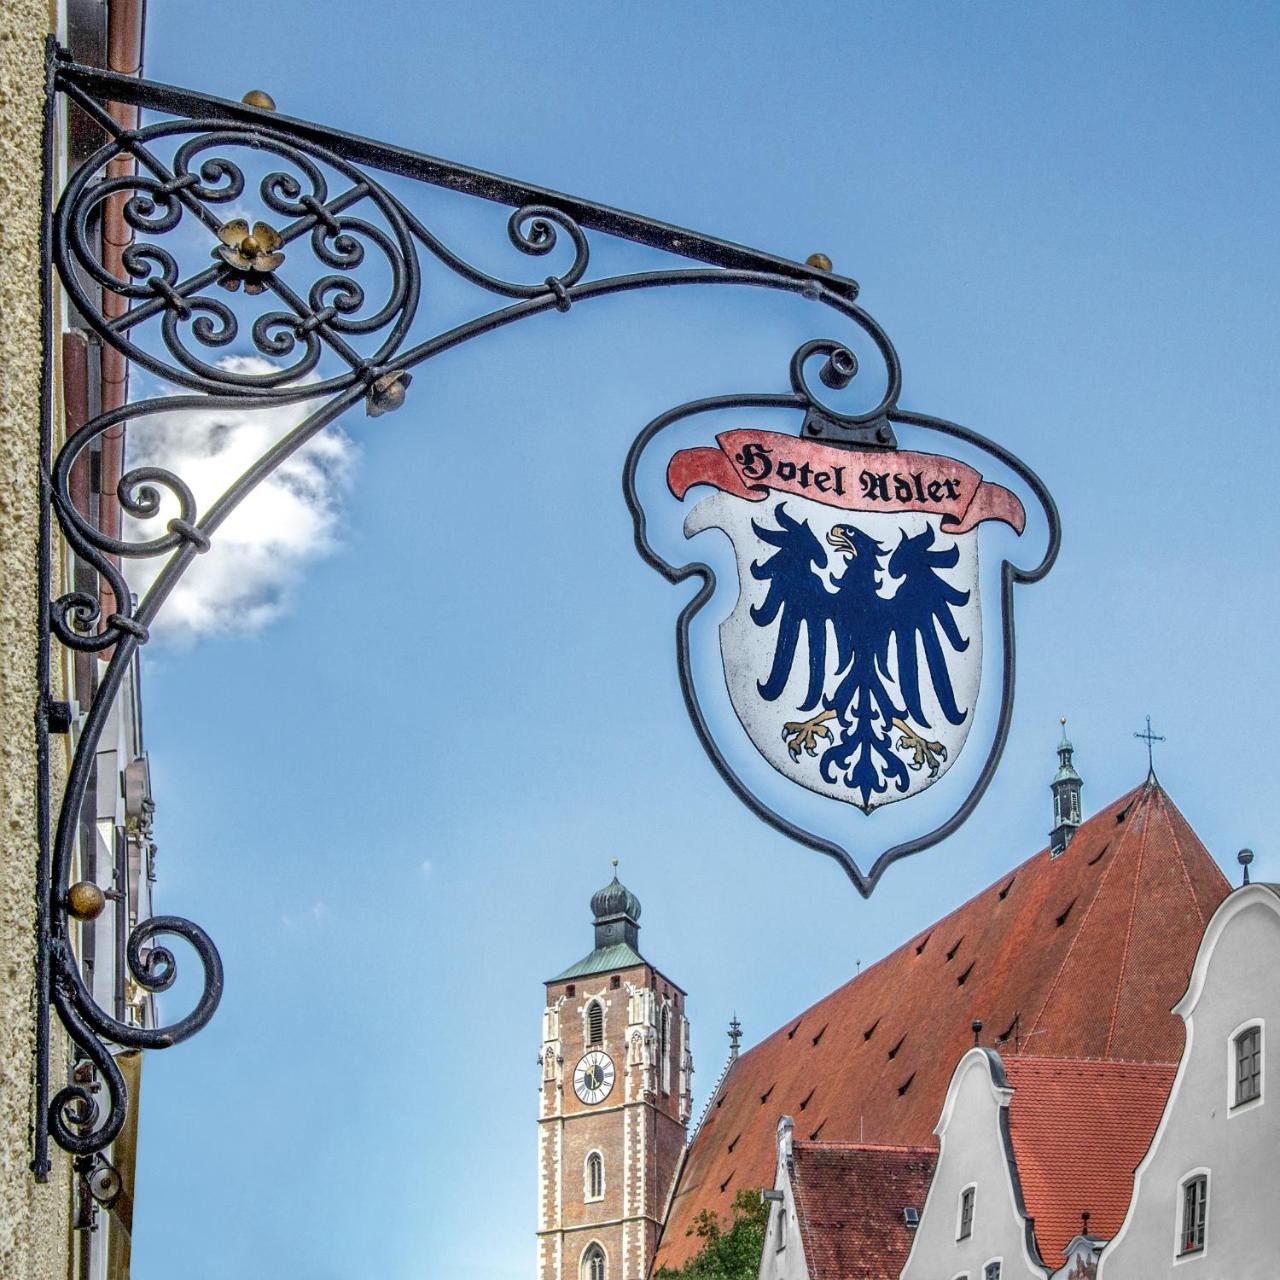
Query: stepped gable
pixel 1082 955
pixel 849 1202
pixel 1079 1128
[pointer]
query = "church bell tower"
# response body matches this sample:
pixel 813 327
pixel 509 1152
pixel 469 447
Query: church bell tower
pixel 616 1095
pixel 1066 787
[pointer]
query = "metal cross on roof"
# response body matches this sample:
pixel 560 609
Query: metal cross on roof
pixel 1150 739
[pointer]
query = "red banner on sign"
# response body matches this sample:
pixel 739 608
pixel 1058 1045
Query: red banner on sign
pixel 750 464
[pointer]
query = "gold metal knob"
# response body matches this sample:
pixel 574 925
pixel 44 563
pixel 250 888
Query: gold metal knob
pixel 387 393
pixel 85 900
pixel 259 98
pixel 819 260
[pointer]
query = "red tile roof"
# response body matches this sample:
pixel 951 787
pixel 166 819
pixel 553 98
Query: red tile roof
pixel 1077 956
pixel 849 1202
pixel 1079 1128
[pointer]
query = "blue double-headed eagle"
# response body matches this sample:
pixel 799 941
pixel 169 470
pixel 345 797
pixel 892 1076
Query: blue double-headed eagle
pixel 861 700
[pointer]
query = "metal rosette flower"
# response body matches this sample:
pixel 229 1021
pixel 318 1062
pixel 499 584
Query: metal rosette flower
pixel 193 246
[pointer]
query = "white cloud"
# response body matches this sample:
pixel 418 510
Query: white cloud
pixel 245 580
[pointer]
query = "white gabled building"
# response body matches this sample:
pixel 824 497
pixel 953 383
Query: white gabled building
pixel 975 1223
pixel 840 1210
pixel 782 1257
pixel 1205 1201
pixel 1035 1167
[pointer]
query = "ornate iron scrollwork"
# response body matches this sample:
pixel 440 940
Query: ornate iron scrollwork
pixel 323 282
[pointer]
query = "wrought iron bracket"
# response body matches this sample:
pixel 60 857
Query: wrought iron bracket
pixel 326 286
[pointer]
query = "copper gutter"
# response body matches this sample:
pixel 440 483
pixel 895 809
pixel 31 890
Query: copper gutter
pixel 75 384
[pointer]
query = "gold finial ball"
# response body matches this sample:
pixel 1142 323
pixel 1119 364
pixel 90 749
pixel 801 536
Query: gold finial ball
pixel 85 901
pixel 259 98
pixel 387 393
pixel 615 864
pixel 818 260
pixel 1063 721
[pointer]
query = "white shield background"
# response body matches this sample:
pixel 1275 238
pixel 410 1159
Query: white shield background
pixel 747 649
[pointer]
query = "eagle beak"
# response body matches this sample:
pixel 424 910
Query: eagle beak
pixel 840 540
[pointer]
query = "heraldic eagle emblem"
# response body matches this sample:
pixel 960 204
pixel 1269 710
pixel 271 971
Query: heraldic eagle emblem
pixel 871 730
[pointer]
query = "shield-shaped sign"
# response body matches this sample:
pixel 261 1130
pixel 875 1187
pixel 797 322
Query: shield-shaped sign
pixel 853 655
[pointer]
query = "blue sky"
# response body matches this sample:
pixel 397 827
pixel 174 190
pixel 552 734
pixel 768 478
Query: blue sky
pixel 390 803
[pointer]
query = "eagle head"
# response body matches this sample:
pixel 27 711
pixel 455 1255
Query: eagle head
pixel 852 541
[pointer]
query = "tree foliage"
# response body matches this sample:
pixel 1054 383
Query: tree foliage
pixel 732 1254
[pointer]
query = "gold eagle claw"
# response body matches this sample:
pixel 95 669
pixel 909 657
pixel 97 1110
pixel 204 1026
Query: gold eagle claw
pixel 803 735
pixel 924 751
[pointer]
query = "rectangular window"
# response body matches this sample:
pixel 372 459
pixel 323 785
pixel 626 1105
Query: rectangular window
pixel 782 1229
pixel 966 1214
pixel 991 1271
pixel 1195 1208
pixel 1248 1065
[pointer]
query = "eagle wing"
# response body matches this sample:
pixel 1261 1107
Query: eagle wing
pixel 798 597
pixel 919 616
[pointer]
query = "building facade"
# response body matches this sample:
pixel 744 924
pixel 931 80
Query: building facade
pixel 1078 952
pixel 975 1222
pixel 615 1100
pixel 1035 1165
pixel 1204 1200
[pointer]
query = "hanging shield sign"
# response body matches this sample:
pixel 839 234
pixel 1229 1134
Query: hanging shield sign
pixel 853 656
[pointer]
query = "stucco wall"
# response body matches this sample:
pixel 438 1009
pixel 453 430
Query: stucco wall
pixel 33 1217
pixel 787 1262
pixel 971 1151
pixel 1201 1130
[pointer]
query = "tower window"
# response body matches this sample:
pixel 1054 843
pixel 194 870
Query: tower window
pixel 664 1047
pixel 595 1022
pixel 615 982
pixel 570 989
pixel 1195 1212
pixel 595 1176
pixel 1248 1059
pixel 593 1263
pixel 965 1228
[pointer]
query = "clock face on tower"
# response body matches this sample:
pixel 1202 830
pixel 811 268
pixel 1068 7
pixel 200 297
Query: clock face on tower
pixel 593 1077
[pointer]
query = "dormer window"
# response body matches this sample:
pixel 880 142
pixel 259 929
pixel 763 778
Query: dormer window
pixel 1248 1065
pixel 595 1022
